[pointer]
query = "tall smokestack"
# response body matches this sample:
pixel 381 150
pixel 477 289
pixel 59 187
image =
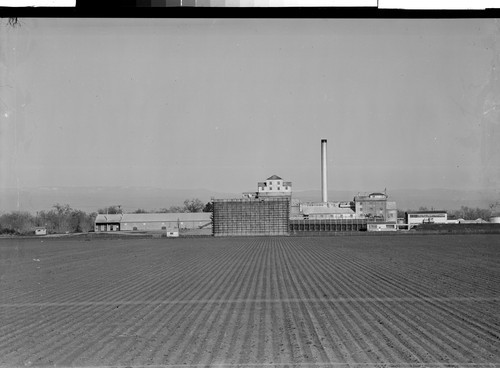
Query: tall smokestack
pixel 324 186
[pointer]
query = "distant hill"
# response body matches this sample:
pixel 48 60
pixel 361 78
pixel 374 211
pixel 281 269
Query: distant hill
pixel 90 199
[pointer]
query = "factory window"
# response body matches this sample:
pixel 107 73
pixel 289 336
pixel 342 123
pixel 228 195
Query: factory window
pixel 286 188
pixel 278 183
pixel 270 188
pixel 278 188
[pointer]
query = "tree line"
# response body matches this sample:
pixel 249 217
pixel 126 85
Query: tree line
pixel 64 219
pixel 60 219
pixel 190 205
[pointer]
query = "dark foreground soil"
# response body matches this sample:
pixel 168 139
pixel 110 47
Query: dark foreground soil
pixel 399 301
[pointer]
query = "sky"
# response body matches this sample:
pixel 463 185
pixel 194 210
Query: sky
pixel 221 104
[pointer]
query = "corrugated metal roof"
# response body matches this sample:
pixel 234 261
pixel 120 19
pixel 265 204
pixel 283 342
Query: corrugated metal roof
pixel 163 217
pixel 154 217
pixel 309 210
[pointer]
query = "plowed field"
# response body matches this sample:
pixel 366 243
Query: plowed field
pixel 389 301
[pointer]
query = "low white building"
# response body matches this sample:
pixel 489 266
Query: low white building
pixel 40 230
pixel 382 226
pixel 428 217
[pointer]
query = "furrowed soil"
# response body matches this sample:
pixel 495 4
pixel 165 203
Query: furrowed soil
pixel 388 301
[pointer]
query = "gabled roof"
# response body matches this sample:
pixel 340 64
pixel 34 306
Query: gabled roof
pixel 274 177
pixel 161 217
pixel 102 218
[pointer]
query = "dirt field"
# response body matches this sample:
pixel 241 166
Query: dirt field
pixel 397 301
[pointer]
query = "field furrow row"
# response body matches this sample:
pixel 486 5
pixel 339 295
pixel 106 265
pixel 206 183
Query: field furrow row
pixel 252 302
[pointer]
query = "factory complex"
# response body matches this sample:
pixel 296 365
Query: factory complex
pixel 271 210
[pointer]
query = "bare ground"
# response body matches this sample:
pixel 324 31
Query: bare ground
pixel 253 302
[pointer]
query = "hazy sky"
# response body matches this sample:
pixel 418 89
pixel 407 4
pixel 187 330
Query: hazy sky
pixel 222 104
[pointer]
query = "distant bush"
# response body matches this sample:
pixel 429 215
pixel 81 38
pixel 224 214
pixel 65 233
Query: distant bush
pixel 60 219
pixel 17 222
pixel 111 210
pixel 5 231
pixel 471 213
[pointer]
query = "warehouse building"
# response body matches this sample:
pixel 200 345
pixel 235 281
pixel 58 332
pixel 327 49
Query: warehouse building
pixel 153 221
pixel 372 207
pixel 375 206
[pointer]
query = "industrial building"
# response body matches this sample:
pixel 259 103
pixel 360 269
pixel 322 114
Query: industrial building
pixel 152 221
pixel 342 216
pixel 272 211
pixel 375 206
pixel 251 216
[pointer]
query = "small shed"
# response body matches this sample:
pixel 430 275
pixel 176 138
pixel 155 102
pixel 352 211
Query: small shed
pixel 40 230
pixel 382 226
